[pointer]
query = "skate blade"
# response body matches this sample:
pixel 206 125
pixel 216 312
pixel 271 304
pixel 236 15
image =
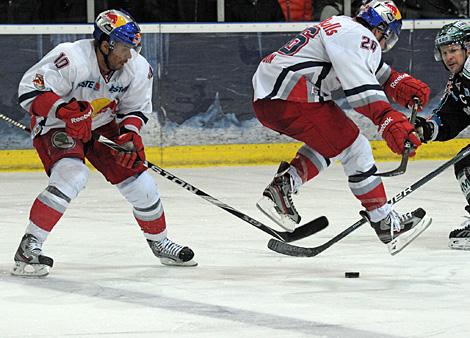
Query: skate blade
pixel 459 243
pixel 267 207
pixel 172 262
pixel 22 269
pixel 402 241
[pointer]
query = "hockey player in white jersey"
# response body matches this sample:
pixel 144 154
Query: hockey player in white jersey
pixel 102 85
pixel 292 95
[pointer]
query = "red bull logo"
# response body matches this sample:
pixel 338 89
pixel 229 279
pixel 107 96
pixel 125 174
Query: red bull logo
pixel 115 20
pixel 396 13
pixel 103 105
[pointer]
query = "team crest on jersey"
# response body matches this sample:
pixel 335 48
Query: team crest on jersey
pixel 104 105
pixel 38 82
pixel 61 140
pixel 448 88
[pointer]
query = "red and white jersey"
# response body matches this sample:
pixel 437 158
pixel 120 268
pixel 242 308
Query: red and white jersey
pixel 70 70
pixel 337 53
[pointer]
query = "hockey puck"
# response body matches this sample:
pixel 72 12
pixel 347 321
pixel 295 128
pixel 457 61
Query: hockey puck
pixel 351 274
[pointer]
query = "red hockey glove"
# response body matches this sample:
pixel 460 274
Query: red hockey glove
pixel 135 154
pixel 395 130
pixel 77 118
pixel 402 87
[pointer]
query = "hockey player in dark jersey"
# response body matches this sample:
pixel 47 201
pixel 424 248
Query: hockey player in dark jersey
pixel 453 112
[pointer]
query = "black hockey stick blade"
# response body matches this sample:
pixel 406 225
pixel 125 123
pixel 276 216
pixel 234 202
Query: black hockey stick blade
pixel 408 147
pixel 308 229
pixel 400 170
pixel 298 251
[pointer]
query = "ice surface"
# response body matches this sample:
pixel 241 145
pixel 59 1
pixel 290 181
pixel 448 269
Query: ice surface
pixel 106 282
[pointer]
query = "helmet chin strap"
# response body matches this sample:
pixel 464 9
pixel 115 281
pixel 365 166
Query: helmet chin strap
pixel 106 56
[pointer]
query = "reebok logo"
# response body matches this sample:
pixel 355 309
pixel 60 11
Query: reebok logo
pixel 398 79
pixel 81 118
pixel 385 124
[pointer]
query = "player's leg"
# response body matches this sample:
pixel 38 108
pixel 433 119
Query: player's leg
pixel 359 165
pixel 142 193
pixel 63 161
pixel 140 190
pixel 324 129
pixel 460 237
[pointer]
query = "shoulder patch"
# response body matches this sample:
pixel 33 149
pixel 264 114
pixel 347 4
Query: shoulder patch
pixel 38 82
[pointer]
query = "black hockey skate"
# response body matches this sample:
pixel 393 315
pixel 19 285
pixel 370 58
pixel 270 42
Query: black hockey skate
pixel 171 253
pixel 397 231
pixel 29 260
pixel 460 238
pixel 276 202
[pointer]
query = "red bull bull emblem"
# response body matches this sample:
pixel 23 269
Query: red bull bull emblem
pixel 116 20
pixel 395 11
pixel 38 82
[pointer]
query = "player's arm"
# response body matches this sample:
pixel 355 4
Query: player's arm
pixel 45 85
pixel 134 107
pixel 402 87
pixel 446 121
pixel 355 62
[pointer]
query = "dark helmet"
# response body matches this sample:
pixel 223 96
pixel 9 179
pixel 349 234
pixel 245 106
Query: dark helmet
pixel 385 16
pixel 457 32
pixel 117 26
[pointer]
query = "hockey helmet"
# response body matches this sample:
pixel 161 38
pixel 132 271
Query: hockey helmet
pixel 117 26
pixel 385 16
pixel 457 32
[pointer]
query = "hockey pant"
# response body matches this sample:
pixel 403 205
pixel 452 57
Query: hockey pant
pixel 63 158
pixel 328 134
pixel 462 173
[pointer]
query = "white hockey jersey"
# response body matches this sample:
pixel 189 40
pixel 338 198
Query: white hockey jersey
pixel 337 53
pixel 70 70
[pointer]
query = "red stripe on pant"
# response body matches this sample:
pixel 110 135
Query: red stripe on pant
pixel 373 199
pixel 153 227
pixel 44 216
pixel 305 168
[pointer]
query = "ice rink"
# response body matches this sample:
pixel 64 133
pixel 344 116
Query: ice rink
pixel 107 283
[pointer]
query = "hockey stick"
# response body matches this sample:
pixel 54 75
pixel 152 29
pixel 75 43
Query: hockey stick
pixel 303 231
pixel 292 250
pixel 408 146
pixel 15 123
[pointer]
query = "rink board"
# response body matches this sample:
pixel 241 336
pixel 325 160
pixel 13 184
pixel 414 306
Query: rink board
pixel 233 154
